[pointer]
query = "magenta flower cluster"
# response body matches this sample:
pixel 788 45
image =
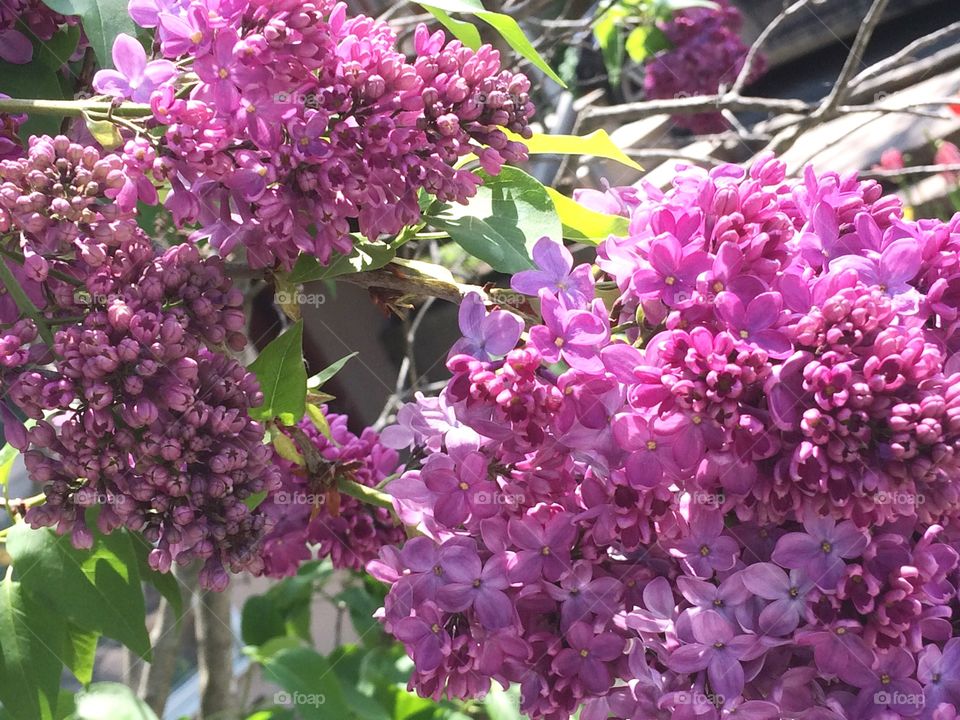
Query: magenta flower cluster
pixel 290 126
pixel 718 478
pixel 307 522
pixel 138 410
pixel 706 52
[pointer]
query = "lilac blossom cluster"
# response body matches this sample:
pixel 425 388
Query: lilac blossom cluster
pixel 717 479
pixel 37 22
pixel 305 522
pixel 136 406
pixel 705 52
pixel 289 125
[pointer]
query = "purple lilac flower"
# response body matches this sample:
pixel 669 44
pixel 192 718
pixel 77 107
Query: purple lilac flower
pixel 718 650
pixel 820 551
pixel 485 335
pixel 135 78
pixel 555 272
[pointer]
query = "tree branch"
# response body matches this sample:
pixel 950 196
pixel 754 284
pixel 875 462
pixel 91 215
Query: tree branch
pixel 750 61
pixel 895 60
pixel 215 653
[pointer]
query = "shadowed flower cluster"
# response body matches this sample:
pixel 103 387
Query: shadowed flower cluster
pixel 137 407
pixel 718 480
pixel 706 52
pixel 307 517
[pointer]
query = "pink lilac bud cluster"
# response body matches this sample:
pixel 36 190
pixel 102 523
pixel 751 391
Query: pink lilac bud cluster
pixel 718 479
pixel 706 52
pixel 308 522
pixel 137 408
pixel 38 22
pixel 290 125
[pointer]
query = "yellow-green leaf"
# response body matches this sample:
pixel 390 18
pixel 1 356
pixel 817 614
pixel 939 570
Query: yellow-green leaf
pixel 598 144
pixel 586 225
pixel 286 448
pixel 105 133
pixel 319 420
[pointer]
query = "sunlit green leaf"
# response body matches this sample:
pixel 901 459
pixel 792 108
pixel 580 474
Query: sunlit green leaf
pixel 282 377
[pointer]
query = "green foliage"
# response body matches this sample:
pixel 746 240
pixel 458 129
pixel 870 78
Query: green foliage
pixel 503 221
pixel 110 701
pixel 325 375
pixel 30 641
pixel 630 28
pixel 283 378
pixel 102 21
pixel 39 79
pixel 165 583
pixel 98 590
pixel 504 24
pixel 365 256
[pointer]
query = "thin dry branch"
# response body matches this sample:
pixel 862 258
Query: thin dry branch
pixel 895 60
pixel 751 59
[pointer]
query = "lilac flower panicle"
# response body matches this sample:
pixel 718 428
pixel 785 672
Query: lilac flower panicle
pixel 727 488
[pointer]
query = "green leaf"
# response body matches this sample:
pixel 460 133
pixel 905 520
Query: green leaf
pixel 365 256
pixel 328 372
pixel 312 687
pixel 31 638
pixel 361 606
pixel 261 620
pixel 110 701
pixel 318 419
pixel 646 41
pixel 102 20
pixel 608 30
pixel 503 221
pixel 79 651
pixel 33 81
pixel 254 501
pixel 585 225
pixel 8 456
pixel 503 704
pixel 504 24
pixel 598 144
pixel 465 32
pixel 98 589
pixel 282 377
pixel 56 52
pixel 165 583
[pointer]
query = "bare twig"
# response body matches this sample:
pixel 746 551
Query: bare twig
pixel 841 87
pixel 751 60
pixel 909 51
